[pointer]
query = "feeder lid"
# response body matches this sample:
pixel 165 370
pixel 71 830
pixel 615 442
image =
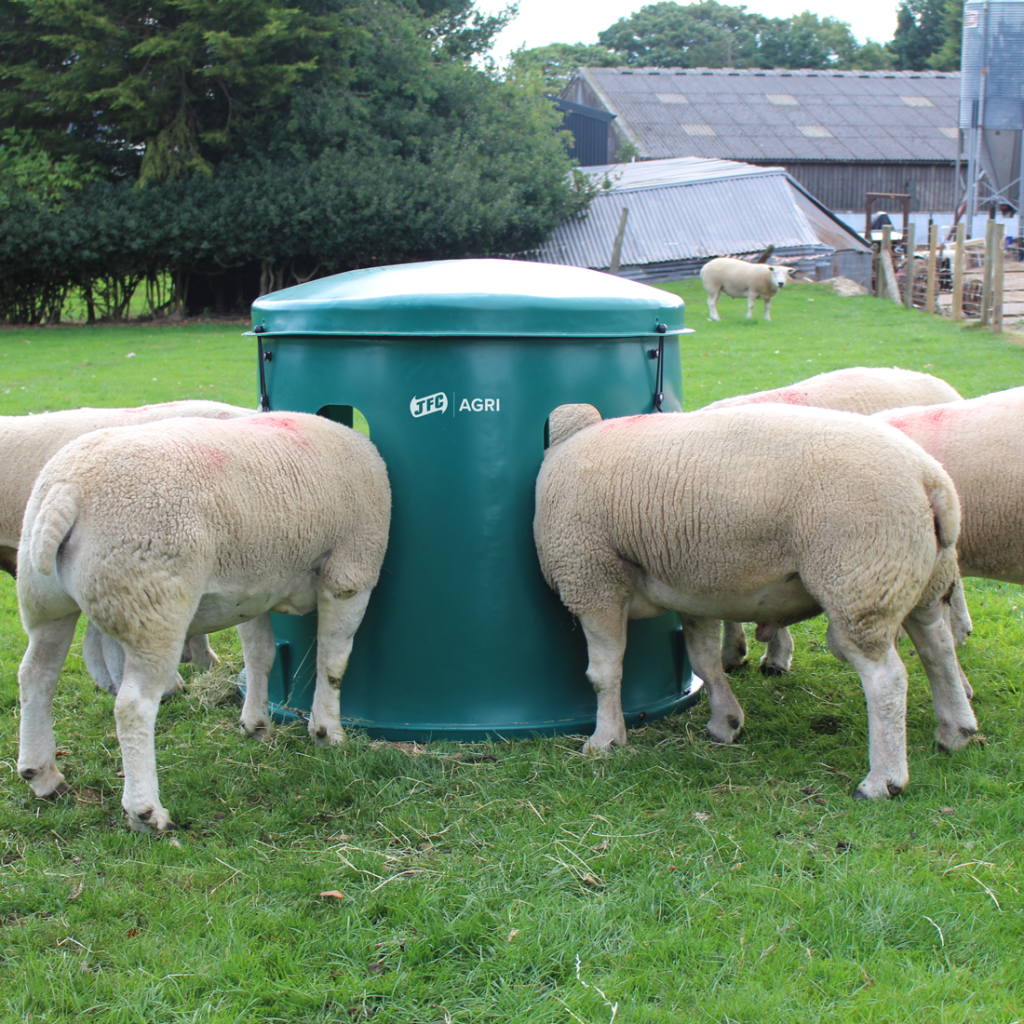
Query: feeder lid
pixel 484 299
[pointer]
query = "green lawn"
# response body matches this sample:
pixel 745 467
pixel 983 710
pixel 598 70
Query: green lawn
pixel 674 881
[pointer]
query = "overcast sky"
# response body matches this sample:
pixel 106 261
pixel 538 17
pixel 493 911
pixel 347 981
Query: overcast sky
pixel 578 21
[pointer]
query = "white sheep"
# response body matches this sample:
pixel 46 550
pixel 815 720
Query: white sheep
pixel 28 442
pixel 862 389
pixel 689 512
pixel 164 531
pixel 979 443
pixel 738 278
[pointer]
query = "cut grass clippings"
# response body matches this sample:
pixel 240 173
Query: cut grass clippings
pixel 672 881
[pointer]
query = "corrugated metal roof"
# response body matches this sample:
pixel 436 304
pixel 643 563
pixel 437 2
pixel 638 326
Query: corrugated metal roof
pixel 879 116
pixel 692 209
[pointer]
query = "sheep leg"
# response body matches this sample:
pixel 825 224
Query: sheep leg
pixel 104 661
pixel 96 662
pixel 258 653
pixel 751 299
pixel 713 303
pixel 605 631
pixel 48 646
pixel 734 646
pixel 339 617
pixel 146 676
pixel 778 656
pixel 884 680
pixel 703 646
pixel 933 642
pixel 767 307
pixel 959 617
pixel 200 652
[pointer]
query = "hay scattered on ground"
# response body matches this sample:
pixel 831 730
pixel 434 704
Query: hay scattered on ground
pixel 215 687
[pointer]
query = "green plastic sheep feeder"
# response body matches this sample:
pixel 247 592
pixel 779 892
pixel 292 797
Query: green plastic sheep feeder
pixel 454 367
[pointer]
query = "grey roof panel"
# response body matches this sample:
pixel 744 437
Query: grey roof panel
pixel 692 209
pixel 867 113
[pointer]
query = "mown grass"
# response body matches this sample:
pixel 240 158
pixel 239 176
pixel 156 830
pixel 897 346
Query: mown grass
pixel 496 882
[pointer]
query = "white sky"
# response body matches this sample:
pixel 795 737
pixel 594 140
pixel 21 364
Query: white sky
pixel 578 21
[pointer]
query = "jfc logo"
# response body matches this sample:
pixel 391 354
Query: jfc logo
pixel 432 403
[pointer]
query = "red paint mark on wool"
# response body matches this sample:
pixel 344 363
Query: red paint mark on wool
pixel 787 396
pixel 623 421
pixel 934 419
pixel 215 458
pixel 272 421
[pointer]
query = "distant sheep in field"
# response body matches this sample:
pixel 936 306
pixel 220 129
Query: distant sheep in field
pixel 738 279
pixel 26 445
pixel 165 531
pixel 861 389
pixel 761 513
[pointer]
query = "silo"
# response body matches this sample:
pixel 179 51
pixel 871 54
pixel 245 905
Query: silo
pixel 992 102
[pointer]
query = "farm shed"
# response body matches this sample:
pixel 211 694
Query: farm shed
pixel 840 134
pixel 682 212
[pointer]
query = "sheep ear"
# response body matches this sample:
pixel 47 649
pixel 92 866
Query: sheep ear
pixel 566 420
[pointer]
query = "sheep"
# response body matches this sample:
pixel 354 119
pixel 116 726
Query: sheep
pixel 687 512
pixel 738 278
pixel 164 531
pixel 28 442
pixel 862 389
pixel 978 442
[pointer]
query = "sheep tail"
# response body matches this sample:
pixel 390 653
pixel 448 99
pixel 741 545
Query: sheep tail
pixel 946 512
pixel 54 521
pixel 567 420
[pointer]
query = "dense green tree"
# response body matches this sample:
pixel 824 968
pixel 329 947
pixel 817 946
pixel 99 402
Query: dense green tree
pixel 557 62
pixel 405 151
pixel 180 82
pixel 920 33
pixel 807 41
pixel 705 34
pixel 947 56
pixel 710 34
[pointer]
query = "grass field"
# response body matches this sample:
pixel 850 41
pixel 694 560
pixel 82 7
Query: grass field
pixel 673 881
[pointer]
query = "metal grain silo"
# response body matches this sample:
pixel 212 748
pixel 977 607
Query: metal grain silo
pixel 992 101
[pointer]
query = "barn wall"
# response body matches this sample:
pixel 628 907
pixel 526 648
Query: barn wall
pixel 842 186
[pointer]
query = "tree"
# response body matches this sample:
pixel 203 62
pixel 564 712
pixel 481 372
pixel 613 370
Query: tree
pixel 557 62
pixel 705 34
pixel 947 56
pixel 407 151
pixel 920 33
pixel 180 82
pixel 709 34
pixel 806 41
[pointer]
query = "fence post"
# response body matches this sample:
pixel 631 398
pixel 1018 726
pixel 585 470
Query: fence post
pixel 958 274
pixel 613 263
pixel 986 287
pixel 997 283
pixel 933 268
pixel 884 245
pixel 909 265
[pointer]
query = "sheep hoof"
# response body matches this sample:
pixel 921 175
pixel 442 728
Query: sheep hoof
pixel 768 669
pixel 153 819
pixel 868 790
pixel 724 730
pixel 950 738
pixel 323 736
pixel 47 783
pixel 734 665
pixel 261 729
